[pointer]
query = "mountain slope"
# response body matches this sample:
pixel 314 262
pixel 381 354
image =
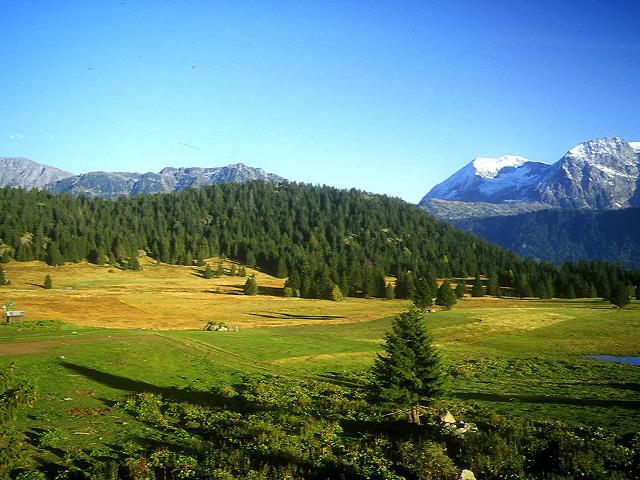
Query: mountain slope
pixel 557 235
pixel 25 173
pixel 599 174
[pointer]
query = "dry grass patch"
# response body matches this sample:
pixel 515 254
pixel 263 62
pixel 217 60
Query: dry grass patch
pixel 171 297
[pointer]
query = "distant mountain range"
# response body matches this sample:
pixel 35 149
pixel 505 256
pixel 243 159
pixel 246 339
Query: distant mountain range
pixel 577 208
pixel 25 173
pixel 599 174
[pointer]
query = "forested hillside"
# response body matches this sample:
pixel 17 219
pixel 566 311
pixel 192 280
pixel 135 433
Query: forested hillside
pixel 558 235
pixel 319 237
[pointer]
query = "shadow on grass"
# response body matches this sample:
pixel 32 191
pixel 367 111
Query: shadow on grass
pixel 137 386
pixel 583 402
pixel 292 316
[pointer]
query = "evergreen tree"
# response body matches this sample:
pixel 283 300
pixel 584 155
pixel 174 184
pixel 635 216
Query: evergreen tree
pixel 522 288
pixel 207 272
pixel 620 295
pixel 242 272
pixel 48 283
pixel 422 294
pixel 446 297
pixel 493 285
pixel 389 292
pixel 477 290
pixel 54 257
pixel 460 289
pixel 3 278
pixel 251 286
pixel 134 264
pixel 233 271
pixel 220 269
pixel 281 270
pixel 336 294
pixel 408 374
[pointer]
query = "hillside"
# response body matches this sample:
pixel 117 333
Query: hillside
pixel 557 235
pixel 318 237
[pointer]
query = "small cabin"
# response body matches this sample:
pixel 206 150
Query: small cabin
pixel 14 316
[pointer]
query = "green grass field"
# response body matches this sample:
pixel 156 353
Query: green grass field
pixel 517 357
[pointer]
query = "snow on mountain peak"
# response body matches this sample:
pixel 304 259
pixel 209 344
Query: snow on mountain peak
pixel 635 146
pixel 598 147
pixel 488 167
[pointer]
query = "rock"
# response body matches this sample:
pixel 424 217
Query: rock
pixel 447 419
pixel 466 475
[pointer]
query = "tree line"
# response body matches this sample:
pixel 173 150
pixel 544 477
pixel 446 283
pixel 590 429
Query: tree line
pixel 325 241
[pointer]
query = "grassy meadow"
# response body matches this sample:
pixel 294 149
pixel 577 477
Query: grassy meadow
pixel 101 334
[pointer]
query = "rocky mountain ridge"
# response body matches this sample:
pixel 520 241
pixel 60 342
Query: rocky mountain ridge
pixel 25 173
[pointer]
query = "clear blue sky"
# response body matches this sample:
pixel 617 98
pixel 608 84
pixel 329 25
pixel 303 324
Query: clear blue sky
pixel 386 96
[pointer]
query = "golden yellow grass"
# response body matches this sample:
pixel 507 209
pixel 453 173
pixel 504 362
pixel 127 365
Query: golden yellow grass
pixel 170 297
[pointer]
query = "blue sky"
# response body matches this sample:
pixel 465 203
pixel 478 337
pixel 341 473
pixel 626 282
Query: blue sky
pixel 391 97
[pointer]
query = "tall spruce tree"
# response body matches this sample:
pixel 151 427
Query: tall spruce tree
pixel 460 289
pixel 48 283
pixel 409 373
pixel 446 297
pixel 478 289
pixel 422 294
pixel 251 286
pixel 3 278
pixel 207 272
pixel 620 296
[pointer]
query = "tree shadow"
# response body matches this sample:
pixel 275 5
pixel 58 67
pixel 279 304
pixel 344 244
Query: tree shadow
pixel 207 398
pixel 293 316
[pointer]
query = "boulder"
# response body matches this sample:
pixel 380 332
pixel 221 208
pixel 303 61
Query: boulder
pixel 447 419
pixel 466 475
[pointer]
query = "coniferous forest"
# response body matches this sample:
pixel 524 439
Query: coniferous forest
pixel 318 237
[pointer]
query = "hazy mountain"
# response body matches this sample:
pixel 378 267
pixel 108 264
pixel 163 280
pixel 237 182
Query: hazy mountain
pixel 25 173
pixel 115 184
pixel 599 174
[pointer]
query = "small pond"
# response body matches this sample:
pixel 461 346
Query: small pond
pixel 612 358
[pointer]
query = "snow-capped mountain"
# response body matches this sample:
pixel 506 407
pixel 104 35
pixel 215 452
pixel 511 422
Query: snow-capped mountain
pixel 25 173
pixel 599 174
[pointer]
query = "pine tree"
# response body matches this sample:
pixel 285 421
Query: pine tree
pixel 477 290
pixel 493 284
pixel 233 270
pixel 446 297
pixel 54 257
pixel 3 278
pixel 207 272
pixel 281 270
pixel 220 269
pixel 48 283
pixel 521 286
pixel 620 295
pixel 133 264
pixel 460 289
pixel 242 272
pixel 251 286
pixel 408 374
pixel 389 292
pixel 422 294
pixel 336 294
